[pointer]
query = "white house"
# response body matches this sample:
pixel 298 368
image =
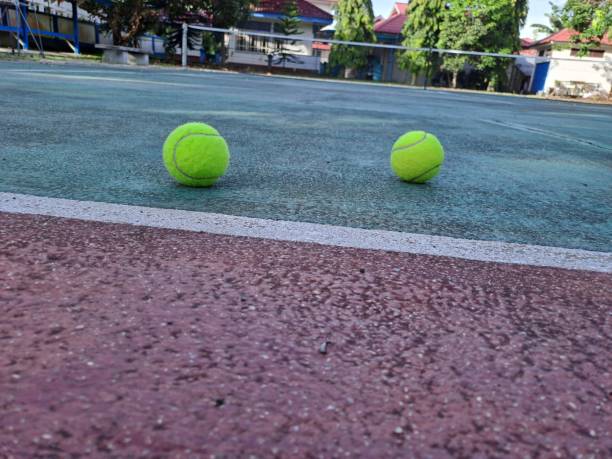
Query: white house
pixel 571 75
pixel 247 49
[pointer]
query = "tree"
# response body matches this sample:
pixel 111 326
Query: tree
pixel 173 13
pixel 555 21
pixel 421 30
pixel 482 25
pixel 460 30
pixel 354 22
pixel 290 25
pixel 126 20
pixel 222 13
pixel 592 19
pixel 229 13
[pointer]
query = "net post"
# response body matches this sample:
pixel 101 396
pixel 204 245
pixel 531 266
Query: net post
pixel 427 68
pixel 184 46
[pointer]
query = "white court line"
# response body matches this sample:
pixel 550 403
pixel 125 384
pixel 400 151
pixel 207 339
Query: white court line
pixel 112 79
pixel 394 241
pixel 555 135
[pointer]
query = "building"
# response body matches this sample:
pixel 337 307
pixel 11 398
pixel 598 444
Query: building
pixel 547 66
pixel 389 31
pixel 571 75
pixel 248 49
pixel 58 25
pixel 326 5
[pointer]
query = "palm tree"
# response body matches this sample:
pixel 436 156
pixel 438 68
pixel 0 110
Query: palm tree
pixel 554 19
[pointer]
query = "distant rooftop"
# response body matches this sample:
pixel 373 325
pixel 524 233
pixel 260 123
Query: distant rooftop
pixel 395 22
pixel 565 36
pixel 305 9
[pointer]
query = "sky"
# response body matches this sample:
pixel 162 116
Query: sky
pixel 537 9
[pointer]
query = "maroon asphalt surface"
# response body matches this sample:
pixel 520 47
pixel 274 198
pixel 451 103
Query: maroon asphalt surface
pixel 124 341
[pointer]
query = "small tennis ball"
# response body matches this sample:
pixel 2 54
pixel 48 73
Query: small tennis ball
pixel 417 156
pixel 195 154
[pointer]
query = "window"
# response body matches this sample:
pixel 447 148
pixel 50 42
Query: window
pixel 241 43
pixel 253 44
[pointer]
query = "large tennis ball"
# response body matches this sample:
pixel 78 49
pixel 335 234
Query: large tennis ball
pixel 195 154
pixel 417 156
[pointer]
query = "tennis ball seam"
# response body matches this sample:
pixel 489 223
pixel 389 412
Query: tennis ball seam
pixel 424 173
pixel 176 163
pixel 403 147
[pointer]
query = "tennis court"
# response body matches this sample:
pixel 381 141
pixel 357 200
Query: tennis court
pixel 517 170
pixel 310 304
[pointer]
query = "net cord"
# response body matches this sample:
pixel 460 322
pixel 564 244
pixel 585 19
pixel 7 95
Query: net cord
pixel 384 46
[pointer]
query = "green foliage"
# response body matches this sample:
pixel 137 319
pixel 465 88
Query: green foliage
pixel 173 36
pixel 354 22
pixel 554 19
pixel 172 14
pixel 474 25
pixel 290 25
pixel 592 19
pixel 124 19
pixel 421 30
pixel 228 13
pixel 209 44
pixel 224 13
pixel 127 19
pixel 175 10
pixel 482 25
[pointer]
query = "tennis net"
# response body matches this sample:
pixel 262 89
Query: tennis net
pixel 322 56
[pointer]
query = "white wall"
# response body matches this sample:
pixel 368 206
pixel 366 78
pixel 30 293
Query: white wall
pixel 242 54
pixel 310 63
pixel 59 8
pixel 595 70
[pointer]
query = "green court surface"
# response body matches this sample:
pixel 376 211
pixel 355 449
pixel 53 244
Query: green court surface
pixel 517 169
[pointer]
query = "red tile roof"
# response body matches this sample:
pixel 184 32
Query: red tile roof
pixel 395 22
pixel 305 9
pixel 525 47
pixel 564 36
pixel 401 7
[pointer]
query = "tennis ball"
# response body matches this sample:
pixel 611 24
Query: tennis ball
pixel 195 154
pixel 417 156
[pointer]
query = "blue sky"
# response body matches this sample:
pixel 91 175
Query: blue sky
pixel 537 9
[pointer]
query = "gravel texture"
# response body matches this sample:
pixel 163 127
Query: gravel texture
pixel 124 341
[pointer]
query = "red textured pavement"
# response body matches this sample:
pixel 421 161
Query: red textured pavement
pixel 124 341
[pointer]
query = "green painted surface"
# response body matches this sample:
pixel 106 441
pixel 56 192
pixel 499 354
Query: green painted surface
pixel 517 170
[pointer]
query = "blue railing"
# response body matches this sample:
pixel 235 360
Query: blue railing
pixel 24 31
